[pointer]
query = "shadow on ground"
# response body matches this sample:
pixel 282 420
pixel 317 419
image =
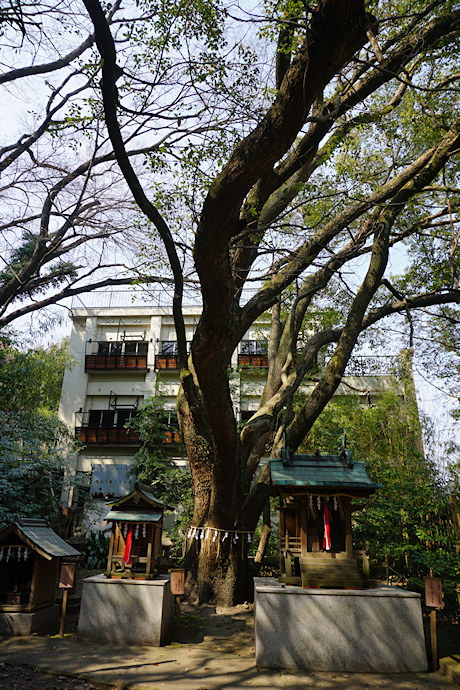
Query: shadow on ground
pixel 229 630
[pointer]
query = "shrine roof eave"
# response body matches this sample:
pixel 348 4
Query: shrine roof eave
pixel 316 473
pixel 145 493
pixel 129 516
pixel 320 490
pixel 38 536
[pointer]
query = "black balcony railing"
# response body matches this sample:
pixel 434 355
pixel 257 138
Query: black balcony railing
pixel 167 356
pixel 258 361
pixel 105 426
pixel 166 362
pixel 122 355
pixel 253 353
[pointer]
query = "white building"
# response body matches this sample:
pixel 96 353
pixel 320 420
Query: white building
pixel 122 355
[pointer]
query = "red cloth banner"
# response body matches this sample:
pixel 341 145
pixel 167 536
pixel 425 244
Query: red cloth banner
pixel 327 529
pixel 128 556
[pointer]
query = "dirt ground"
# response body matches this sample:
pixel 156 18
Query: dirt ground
pixel 24 678
pixel 228 630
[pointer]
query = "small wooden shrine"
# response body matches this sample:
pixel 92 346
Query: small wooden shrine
pixel 136 537
pixel 30 556
pixel 316 544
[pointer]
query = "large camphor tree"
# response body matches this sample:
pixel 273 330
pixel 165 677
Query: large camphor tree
pixel 352 152
pixel 308 151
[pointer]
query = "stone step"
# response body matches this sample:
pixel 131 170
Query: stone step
pixel 342 574
pixel 338 582
pixel 319 556
pixel 329 572
pixel 319 563
pixel 331 555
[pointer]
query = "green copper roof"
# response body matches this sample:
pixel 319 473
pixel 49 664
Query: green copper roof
pixel 122 516
pixel 140 491
pixel 39 536
pixel 321 471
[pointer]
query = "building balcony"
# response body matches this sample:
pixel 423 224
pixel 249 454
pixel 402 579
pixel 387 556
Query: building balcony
pixel 167 356
pixel 118 355
pixel 106 426
pixel 166 362
pixel 172 436
pixel 257 361
pixel 110 435
pixel 253 353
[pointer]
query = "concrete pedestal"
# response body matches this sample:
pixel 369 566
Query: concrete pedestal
pixel 126 611
pixel 378 630
pixel 24 623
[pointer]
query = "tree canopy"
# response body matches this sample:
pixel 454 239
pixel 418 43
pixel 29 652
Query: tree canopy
pixel 68 225
pixel 35 445
pixel 307 152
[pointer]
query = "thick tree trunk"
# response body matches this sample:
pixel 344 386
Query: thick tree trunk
pixel 217 542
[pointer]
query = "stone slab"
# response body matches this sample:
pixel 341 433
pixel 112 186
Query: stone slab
pixel 450 667
pixel 126 611
pixel 23 623
pixel 377 630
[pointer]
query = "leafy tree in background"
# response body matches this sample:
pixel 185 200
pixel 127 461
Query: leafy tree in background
pixel 34 444
pixel 31 378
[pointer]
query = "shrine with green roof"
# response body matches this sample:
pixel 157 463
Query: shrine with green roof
pixel 31 556
pixel 316 493
pixel 131 602
pixel 136 535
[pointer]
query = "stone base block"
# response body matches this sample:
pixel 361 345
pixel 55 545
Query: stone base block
pixel 23 623
pixel 126 611
pixel 378 630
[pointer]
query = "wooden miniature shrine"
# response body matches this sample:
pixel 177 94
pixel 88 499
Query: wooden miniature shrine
pixel 30 556
pixel 130 603
pixel 136 537
pixel 316 544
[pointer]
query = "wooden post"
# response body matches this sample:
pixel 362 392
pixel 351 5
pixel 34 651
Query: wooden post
pixel 303 528
pixel 434 639
pixel 433 598
pixel 178 588
pixel 112 541
pixel 63 610
pixel 282 559
pixel 149 556
pixel 288 557
pixel 348 534
pixel 178 616
pixel 33 584
pixel 366 563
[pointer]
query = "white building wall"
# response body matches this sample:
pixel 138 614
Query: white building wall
pixel 94 389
